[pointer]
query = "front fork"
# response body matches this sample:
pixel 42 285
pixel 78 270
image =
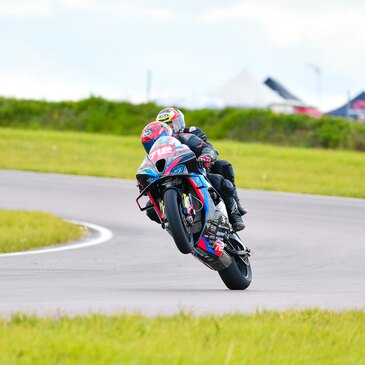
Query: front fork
pixel 188 210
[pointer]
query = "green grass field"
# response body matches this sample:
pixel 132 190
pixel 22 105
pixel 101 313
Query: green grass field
pixel 270 338
pixel 282 338
pixel 22 230
pixel 258 166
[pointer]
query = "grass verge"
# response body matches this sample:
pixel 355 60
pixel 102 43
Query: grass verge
pixel 305 337
pixel 22 230
pixel 258 166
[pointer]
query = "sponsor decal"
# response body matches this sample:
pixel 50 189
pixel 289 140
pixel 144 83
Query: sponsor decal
pixel 164 116
pixel 160 152
pixel 200 252
pixel 147 133
pixel 218 247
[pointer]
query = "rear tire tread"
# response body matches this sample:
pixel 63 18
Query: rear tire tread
pixel 238 275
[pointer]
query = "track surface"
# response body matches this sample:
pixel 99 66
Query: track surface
pixel 307 252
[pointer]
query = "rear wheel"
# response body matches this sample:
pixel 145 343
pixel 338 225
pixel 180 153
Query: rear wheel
pixel 238 275
pixel 234 277
pixel 177 224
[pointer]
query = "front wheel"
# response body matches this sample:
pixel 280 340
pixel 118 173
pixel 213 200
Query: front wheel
pixel 238 275
pixel 177 225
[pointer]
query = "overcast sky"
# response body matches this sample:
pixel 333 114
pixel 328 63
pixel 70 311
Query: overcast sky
pixel 70 49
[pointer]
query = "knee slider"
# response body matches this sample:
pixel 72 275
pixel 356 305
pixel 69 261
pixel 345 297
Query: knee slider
pixel 227 186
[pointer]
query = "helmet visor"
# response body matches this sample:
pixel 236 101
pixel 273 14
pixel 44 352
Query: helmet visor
pixel 148 145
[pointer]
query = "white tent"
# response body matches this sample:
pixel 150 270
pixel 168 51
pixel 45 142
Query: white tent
pixel 245 92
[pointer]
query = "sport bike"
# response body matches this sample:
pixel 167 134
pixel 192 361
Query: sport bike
pixel 192 211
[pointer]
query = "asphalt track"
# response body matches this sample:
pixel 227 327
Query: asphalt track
pixel 307 251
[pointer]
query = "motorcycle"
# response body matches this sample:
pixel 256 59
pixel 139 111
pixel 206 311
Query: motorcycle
pixel 192 211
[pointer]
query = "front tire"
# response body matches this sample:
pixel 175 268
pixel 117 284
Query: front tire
pixel 176 221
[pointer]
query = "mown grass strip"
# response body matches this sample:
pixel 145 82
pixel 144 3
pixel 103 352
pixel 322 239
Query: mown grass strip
pixel 258 166
pixel 304 337
pixel 23 230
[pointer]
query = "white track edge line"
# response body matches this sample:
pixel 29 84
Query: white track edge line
pixel 103 236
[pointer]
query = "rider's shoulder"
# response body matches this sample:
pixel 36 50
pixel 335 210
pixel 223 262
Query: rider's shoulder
pixel 192 129
pixel 196 131
pixel 184 136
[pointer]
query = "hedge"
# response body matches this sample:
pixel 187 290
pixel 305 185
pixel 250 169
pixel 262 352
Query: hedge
pixel 97 115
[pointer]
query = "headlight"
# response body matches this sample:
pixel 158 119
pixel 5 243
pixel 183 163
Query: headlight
pixel 179 169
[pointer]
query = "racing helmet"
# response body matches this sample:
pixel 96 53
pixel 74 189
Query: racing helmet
pixel 152 132
pixel 173 117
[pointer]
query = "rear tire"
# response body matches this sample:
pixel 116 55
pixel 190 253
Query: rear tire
pixel 238 275
pixel 176 221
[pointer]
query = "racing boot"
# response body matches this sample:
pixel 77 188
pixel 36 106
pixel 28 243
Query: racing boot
pixel 235 217
pixel 227 192
pixel 240 208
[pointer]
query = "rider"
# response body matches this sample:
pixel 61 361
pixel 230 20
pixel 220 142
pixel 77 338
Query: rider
pixel 175 118
pixel 205 154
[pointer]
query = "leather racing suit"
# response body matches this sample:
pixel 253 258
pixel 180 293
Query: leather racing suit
pixel 224 186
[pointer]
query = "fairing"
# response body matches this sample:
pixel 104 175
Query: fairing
pixel 168 158
pixel 164 159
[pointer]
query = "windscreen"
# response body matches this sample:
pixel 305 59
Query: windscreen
pixel 165 141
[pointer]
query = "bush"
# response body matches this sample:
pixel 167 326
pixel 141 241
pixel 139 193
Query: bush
pixel 97 115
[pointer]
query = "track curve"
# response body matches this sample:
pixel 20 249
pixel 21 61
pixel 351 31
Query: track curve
pixel 308 251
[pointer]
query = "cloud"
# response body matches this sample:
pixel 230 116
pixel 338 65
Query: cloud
pixel 289 22
pixel 49 8
pixel 125 8
pixel 21 9
pixel 53 88
pixel 35 86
